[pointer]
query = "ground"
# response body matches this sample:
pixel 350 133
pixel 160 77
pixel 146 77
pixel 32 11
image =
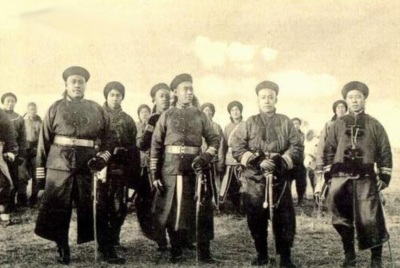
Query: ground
pixel 316 242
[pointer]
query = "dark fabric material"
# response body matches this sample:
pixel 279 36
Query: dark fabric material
pixel 299 174
pixel 63 188
pixel 165 210
pixel 111 209
pixel 233 186
pixel 284 216
pixel 358 201
pixel 372 144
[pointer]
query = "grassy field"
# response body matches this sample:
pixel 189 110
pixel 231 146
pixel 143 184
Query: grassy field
pixel 316 242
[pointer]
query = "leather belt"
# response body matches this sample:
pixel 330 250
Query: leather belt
pixel 176 149
pixel 67 141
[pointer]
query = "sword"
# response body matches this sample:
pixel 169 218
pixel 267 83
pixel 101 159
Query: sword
pixel 198 197
pixel 95 179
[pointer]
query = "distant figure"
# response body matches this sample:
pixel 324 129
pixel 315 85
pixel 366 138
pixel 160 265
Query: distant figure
pixel 33 122
pixel 218 162
pixel 9 100
pixel 160 94
pixel 355 143
pixel 8 151
pixel 231 184
pixel 122 174
pixel 299 171
pixel 310 150
pixel 267 146
pixel 339 108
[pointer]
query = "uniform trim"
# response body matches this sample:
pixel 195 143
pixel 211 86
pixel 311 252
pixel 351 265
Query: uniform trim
pixel 246 157
pixel 385 170
pixel 153 163
pixel 327 168
pixel 105 155
pixel 211 150
pixel 40 173
pixel 288 161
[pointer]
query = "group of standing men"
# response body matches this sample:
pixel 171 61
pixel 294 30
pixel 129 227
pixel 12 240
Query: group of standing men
pixel 172 158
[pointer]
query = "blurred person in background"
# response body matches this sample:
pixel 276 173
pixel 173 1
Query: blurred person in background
pixel 232 181
pixel 20 181
pixel 33 123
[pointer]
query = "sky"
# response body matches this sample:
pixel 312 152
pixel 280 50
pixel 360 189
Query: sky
pixel 309 48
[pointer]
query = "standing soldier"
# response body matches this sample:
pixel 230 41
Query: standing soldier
pixel 231 184
pixel 74 131
pixel 160 94
pixel 33 123
pixel 267 146
pixel 218 162
pixel 9 100
pixel 143 114
pixel 8 151
pixel 299 171
pixel 113 193
pixel 175 148
pixel 355 142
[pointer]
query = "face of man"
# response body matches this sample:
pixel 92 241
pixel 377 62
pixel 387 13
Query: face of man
pixel 144 115
pixel 9 103
pixel 114 99
pixel 208 112
pixel 184 92
pixel 355 100
pixel 161 99
pixel 75 86
pixel 340 110
pixel 267 100
pixel 32 110
pixel 296 124
pixel 235 113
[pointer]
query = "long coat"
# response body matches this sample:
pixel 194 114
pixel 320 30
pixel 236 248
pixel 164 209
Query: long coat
pixel 180 127
pixel 354 181
pixel 273 134
pixel 67 174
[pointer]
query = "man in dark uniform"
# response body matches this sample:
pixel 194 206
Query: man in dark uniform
pixel 175 148
pixel 160 94
pixel 355 142
pixel 9 100
pixel 299 171
pixel 121 169
pixel 74 131
pixel 267 144
pixel 8 151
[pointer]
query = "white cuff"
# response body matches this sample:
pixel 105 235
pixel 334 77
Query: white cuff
pixel 385 170
pixel 211 150
pixel 246 158
pixel 288 161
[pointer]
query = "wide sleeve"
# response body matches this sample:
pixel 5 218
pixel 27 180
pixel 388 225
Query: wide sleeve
pixel 157 143
pixel 221 151
pixel 22 143
pixel 331 144
pixel 8 134
pixel 384 154
pixel 293 154
pixel 240 143
pixel 46 138
pixel 320 147
pixel 212 138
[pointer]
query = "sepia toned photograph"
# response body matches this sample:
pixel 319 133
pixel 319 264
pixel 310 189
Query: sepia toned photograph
pixel 219 133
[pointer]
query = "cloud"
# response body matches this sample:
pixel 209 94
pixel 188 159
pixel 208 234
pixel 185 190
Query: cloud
pixel 238 52
pixel 218 54
pixel 210 53
pixel 269 54
pixel 305 85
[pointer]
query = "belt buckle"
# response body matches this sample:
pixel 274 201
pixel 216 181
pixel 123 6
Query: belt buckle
pixel 182 151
